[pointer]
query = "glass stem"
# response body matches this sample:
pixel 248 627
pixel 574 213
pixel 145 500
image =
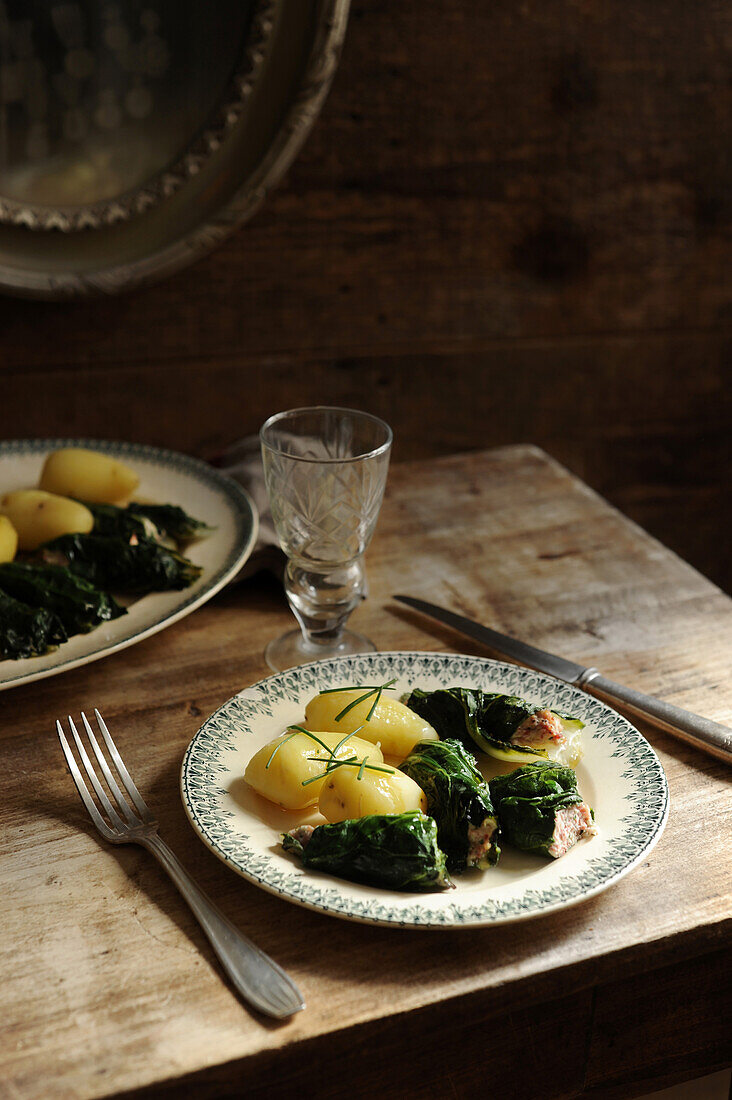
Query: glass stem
pixel 322 601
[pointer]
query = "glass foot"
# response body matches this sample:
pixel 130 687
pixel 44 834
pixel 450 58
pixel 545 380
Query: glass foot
pixel 292 649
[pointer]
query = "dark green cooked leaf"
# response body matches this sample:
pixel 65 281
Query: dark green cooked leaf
pixel 113 522
pixel 171 520
pixel 483 718
pixel 396 851
pixel 477 718
pixel 27 631
pixel 528 800
pixel 78 605
pixel 116 565
pixel 534 780
pixel 459 800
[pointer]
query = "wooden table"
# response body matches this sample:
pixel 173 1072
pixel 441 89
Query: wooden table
pixel 109 988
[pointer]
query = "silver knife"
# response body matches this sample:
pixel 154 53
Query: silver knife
pixel 704 734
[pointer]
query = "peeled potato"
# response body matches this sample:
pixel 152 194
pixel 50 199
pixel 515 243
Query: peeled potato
pixel 87 475
pixel 395 727
pixel 8 539
pixel 345 796
pixel 38 516
pixel 282 781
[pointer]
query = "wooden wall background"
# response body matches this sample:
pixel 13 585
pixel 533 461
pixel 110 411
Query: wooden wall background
pixel 508 225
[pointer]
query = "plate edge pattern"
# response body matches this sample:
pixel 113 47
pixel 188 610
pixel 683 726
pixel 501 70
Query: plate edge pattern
pixel 643 825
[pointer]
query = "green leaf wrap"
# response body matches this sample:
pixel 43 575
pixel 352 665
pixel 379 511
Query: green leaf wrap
pixel 27 631
pixel 112 522
pixel 113 564
pixel 77 603
pixel 397 851
pixel 527 801
pixel 171 520
pixel 483 718
pixel 479 718
pixel 459 800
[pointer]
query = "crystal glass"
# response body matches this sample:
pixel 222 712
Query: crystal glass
pixel 325 472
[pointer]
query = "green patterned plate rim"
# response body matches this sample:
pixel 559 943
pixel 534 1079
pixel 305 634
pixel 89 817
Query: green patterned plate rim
pixel 165 476
pixel 620 776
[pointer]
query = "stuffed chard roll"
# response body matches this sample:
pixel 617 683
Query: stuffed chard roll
pixel 152 521
pixel 112 522
pixel 79 605
pixel 540 810
pixel 397 851
pixel 504 726
pixel 171 521
pixel 27 631
pixel 120 565
pixel 459 800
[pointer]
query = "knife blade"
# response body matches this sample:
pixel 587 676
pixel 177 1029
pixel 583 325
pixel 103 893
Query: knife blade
pixel 700 732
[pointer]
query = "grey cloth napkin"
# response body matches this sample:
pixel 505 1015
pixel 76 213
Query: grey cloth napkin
pixel 243 462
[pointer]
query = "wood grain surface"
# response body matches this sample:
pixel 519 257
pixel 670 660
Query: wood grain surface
pixel 510 224
pixel 109 988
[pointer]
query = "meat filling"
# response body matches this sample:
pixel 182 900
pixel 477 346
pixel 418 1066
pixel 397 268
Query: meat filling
pixel 302 834
pixel 53 557
pixel 570 824
pixel 480 840
pixel 540 729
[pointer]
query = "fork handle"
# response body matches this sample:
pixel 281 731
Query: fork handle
pixel 249 968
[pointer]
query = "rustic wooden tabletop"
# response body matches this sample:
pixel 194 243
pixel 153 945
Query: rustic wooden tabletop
pixel 109 988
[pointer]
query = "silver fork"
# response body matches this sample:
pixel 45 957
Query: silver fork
pixel 257 977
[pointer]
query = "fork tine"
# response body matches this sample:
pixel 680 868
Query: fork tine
pixel 124 774
pixel 122 802
pixel 81 786
pixel 101 794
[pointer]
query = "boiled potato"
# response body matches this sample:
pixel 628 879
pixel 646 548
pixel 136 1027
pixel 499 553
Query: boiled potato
pixel 393 726
pixel 346 795
pixel 87 475
pixel 282 781
pixel 38 516
pixel 8 539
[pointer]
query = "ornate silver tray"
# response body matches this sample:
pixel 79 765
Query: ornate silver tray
pixel 136 134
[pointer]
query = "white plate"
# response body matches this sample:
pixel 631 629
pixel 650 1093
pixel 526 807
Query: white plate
pixel 166 478
pixel 619 776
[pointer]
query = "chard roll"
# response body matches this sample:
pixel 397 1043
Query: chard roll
pixel 121 565
pixel 397 851
pixel 540 810
pixel 459 800
pixel 171 521
pixel 28 631
pixel 504 726
pixel 112 522
pixel 79 605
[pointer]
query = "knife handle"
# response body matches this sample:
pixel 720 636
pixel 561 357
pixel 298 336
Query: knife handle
pixel 697 731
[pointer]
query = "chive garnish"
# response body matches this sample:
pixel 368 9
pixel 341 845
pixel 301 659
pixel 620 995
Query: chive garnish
pixel 331 761
pixel 354 703
pixel 330 765
pixel 276 749
pixel 368 692
pixel 343 740
pixel 298 729
pixel 311 735
pixel 360 764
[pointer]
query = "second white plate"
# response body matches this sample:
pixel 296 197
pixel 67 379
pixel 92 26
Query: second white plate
pixel 166 478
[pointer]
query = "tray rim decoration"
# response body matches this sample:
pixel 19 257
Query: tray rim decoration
pixel 234 502
pixel 231 831
pixel 170 177
pixel 119 264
